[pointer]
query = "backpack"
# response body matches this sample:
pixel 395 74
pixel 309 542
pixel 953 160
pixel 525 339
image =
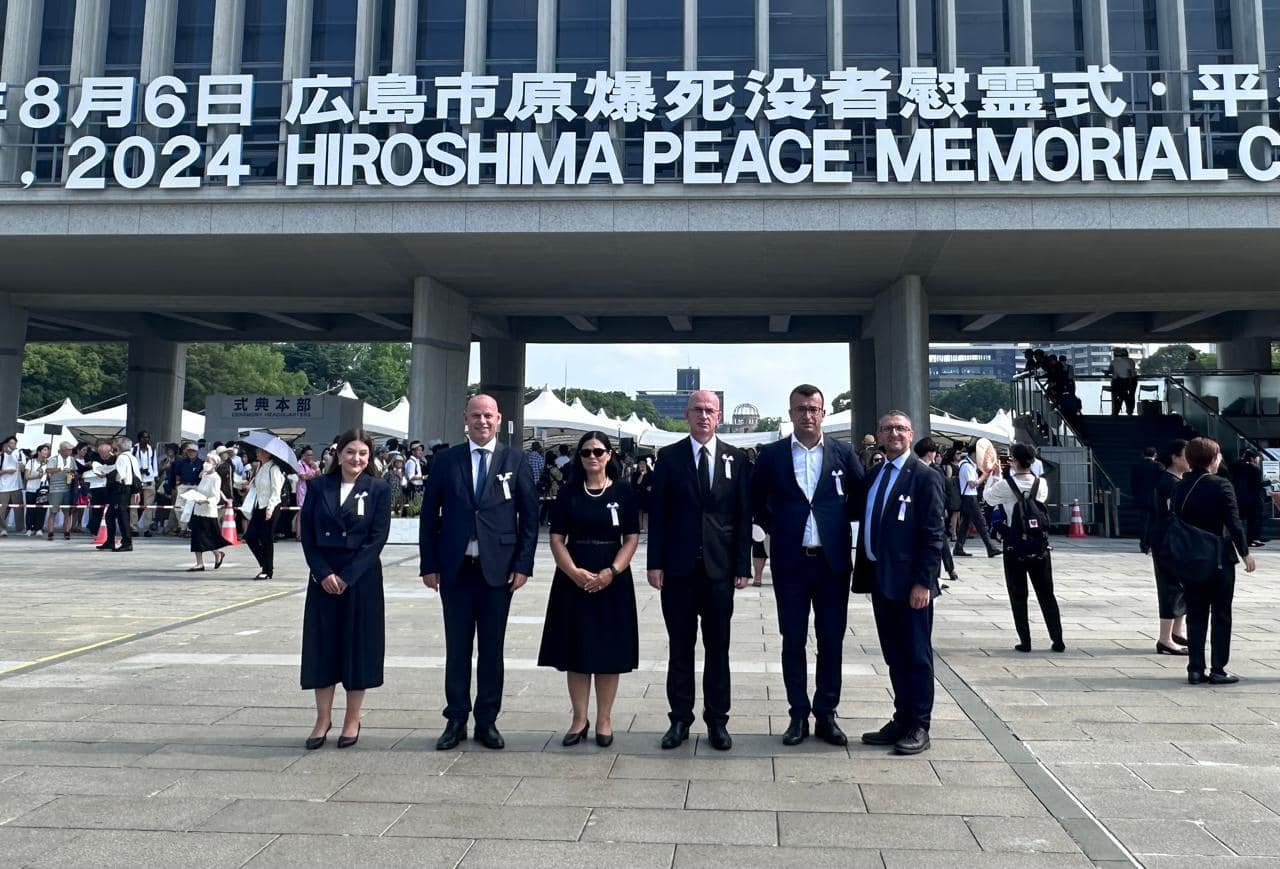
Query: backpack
pixel 1027 533
pixel 1194 553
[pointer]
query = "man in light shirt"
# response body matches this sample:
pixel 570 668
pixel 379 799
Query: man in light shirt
pixel 121 475
pixel 971 480
pixel 1124 381
pixel 799 492
pixel 149 468
pixel 10 481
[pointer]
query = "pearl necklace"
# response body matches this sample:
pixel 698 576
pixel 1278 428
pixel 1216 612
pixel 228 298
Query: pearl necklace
pixel 602 491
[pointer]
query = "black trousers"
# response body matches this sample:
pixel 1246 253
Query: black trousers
pixel 475 614
pixel 261 538
pixel 686 602
pixel 906 641
pixel 1144 520
pixel 1209 611
pixel 97 508
pixel 1123 392
pixel 36 513
pixel 971 511
pixel 1251 515
pixel 1039 571
pixel 819 589
pixel 118 519
pixel 948 560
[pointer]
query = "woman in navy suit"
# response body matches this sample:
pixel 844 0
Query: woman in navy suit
pixel 345 521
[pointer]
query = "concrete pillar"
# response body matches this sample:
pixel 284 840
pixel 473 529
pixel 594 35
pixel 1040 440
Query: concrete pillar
pixel 404 38
pixel 1171 23
pixel 908 33
pixel 13 341
pixel 1097 32
pixel 1020 47
pixel 1252 354
pixel 88 55
pixel 862 387
pixel 835 34
pixel 900 329
pixel 156 382
pixel 21 57
pixel 159 33
pixel 502 376
pixel 474 45
pixel 228 36
pixel 441 357
pixel 762 35
pixel 946 25
pixel 546 57
pixel 366 53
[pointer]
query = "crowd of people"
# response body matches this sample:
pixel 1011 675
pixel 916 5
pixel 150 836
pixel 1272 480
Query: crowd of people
pixel 706 505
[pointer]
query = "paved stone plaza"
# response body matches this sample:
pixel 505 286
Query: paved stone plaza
pixel 152 717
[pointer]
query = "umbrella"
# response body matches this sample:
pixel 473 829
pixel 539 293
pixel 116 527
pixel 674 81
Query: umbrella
pixel 264 440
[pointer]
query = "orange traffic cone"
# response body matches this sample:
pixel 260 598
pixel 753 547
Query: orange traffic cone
pixel 1077 521
pixel 102 529
pixel 229 526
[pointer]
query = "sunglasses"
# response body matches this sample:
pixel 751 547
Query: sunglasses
pixel 596 452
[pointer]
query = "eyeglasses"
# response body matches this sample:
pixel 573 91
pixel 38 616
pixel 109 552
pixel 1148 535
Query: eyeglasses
pixel 808 410
pixel 596 452
pixel 896 429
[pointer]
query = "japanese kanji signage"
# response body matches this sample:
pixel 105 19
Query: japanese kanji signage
pixel 924 125
pixel 270 406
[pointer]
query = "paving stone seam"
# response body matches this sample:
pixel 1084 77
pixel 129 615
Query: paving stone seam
pixel 275 837
pixel 1095 840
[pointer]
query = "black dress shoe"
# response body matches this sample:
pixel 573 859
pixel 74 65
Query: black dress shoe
pixel 887 735
pixel 576 736
pixel 960 553
pixel 915 741
pixel 314 742
pixel 718 736
pixel 1181 641
pixel 677 733
pixel 1223 679
pixel 348 741
pixel 825 728
pixel 1059 646
pixel 488 736
pixel 1162 649
pixel 993 552
pixel 1194 678
pixel 454 733
pixel 604 740
pixel 797 731
pixel 1022 647
pixel 105 548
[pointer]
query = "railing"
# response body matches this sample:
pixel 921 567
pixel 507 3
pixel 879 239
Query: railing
pixel 1204 418
pixel 1029 399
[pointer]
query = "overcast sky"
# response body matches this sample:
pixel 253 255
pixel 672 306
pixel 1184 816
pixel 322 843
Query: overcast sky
pixel 759 374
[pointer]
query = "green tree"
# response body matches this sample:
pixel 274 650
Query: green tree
pixel 381 373
pixel 228 369
pixel 1176 357
pixel 327 365
pixel 769 423
pixel 978 399
pixel 86 373
pixel 842 402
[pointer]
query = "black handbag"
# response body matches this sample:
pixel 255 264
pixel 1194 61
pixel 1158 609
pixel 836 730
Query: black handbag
pixel 1195 554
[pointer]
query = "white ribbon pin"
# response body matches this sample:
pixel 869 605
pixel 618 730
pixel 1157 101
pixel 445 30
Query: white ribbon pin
pixel 728 468
pixel 903 501
pixel 838 476
pixel 613 511
pixel 360 502
pixel 505 480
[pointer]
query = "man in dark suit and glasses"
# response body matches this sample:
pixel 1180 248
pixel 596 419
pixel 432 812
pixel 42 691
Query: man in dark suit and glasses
pixel 799 488
pixel 699 551
pixel 477 533
pixel 900 542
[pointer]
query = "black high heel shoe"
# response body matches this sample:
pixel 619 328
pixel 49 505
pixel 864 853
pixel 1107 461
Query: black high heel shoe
pixel 1162 649
pixel 348 741
pixel 314 742
pixel 604 740
pixel 1181 641
pixel 576 736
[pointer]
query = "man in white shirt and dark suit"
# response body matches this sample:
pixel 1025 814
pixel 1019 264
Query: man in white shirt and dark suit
pixel 122 475
pixel 799 488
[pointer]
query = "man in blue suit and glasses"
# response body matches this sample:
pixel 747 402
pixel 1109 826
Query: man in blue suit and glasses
pixel 799 488
pixel 476 537
pixel 900 544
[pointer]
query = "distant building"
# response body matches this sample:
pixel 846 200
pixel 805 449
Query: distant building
pixel 951 365
pixel 671 404
pixel 1091 359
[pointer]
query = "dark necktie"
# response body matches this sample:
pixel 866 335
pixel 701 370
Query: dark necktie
pixel 482 472
pixel 883 495
pixel 704 472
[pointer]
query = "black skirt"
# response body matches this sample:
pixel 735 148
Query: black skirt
pixel 206 534
pixel 344 635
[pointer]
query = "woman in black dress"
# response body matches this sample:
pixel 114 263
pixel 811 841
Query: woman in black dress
pixel 1169 596
pixel 590 628
pixel 345 521
pixel 1208 502
pixel 213 490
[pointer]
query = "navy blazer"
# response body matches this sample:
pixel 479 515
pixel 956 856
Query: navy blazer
pixel 505 528
pixel 338 539
pixel 782 509
pixel 908 551
pixel 681 526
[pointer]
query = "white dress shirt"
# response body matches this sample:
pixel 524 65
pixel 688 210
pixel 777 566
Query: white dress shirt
pixel 146 458
pixel 473 547
pixel 711 457
pixel 807 464
pixel 886 478
pixel 969 478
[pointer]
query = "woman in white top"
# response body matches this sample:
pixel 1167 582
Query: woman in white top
pixel 37 489
pixel 10 480
pixel 265 490
pixel 213 490
pixel 61 474
pixel 1019 565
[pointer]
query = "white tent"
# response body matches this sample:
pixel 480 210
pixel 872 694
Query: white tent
pixel 111 421
pixel 392 423
pixel 66 410
pixel 657 438
pixel 999 430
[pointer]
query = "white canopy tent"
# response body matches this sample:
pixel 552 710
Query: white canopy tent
pixel 999 430
pixel 111 421
pixel 392 422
